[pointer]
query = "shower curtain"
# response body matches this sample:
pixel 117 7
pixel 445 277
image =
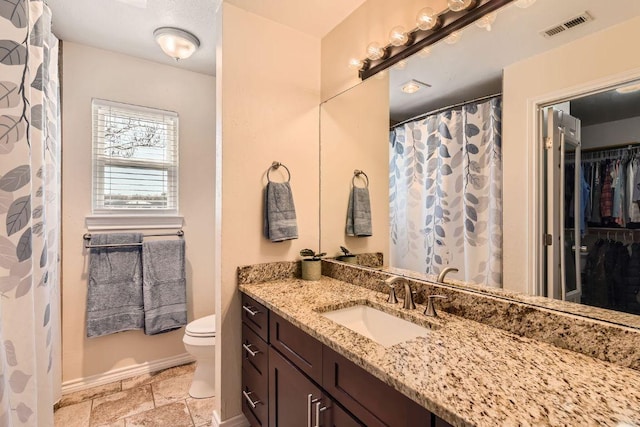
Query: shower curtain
pixel 445 189
pixel 29 215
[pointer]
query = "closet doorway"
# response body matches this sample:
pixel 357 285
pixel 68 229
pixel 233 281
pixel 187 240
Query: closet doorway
pixel 592 199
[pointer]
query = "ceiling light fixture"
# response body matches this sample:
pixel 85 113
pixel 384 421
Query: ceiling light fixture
pixel 430 28
pixel 412 86
pixel 176 43
pixel 629 88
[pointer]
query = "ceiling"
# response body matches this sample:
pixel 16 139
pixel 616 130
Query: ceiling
pixel 473 67
pixel 605 107
pixel 126 26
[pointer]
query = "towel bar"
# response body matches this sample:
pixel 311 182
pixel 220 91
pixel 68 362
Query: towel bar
pixel 87 238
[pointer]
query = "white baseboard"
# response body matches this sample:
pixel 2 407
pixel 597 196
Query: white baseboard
pixel 124 373
pixel 237 421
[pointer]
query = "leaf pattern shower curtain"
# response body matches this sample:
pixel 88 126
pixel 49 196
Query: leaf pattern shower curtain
pixel 445 188
pixel 29 215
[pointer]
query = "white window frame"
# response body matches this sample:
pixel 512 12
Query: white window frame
pixel 101 214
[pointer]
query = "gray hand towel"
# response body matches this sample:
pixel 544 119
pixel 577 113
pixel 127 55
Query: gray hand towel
pixel 279 212
pixel 164 286
pixel 114 297
pixel 359 213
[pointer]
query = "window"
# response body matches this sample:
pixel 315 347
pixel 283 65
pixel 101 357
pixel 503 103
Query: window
pixel 135 159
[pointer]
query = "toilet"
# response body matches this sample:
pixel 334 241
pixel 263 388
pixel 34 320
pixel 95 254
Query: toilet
pixel 199 341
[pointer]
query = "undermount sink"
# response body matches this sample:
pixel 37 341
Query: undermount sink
pixel 381 327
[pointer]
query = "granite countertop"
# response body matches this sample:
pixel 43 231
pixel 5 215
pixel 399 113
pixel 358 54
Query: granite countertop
pixel 465 372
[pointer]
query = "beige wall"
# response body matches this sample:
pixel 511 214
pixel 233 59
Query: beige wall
pixel 269 91
pixel 370 22
pixel 354 129
pixel 89 73
pixel 593 62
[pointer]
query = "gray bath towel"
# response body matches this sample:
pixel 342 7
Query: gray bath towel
pixel 279 212
pixel 359 213
pixel 164 286
pixel 114 298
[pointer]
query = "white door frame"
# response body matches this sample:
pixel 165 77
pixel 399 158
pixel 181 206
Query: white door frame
pixel 535 164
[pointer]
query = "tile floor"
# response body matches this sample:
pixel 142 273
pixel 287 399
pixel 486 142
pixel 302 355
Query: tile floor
pixel 158 399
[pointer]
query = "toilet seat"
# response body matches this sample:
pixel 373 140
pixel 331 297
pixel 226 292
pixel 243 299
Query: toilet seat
pixel 204 327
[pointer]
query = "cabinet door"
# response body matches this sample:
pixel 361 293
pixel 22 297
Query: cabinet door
pixel 334 416
pixel 297 346
pixel 291 394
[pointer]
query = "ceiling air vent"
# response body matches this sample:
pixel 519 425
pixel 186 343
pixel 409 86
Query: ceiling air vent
pixel 568 24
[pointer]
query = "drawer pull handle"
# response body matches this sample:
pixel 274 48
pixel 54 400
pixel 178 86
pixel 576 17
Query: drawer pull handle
pixel 250 401
pixel 251 310
pixel 318 410
pixel 252 353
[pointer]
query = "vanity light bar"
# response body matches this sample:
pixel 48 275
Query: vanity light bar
pixel 419 39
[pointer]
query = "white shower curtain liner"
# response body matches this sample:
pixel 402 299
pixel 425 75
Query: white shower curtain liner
pixel 29 215
pixel 445 188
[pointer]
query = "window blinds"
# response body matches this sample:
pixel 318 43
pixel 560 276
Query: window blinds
pixel 135 159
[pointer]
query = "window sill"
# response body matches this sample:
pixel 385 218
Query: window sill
pixel 133 222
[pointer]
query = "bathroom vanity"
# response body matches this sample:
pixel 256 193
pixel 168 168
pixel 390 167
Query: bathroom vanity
pixel 301 368
pixel 289 378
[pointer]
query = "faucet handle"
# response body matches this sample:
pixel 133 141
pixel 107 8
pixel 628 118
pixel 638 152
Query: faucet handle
pixel 431 309
pixel 393 299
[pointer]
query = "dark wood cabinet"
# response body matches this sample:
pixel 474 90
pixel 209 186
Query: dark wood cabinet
pixel 290 379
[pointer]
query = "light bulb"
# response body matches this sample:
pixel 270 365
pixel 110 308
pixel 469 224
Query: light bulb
pixel 355 64
pixel 458 5
pixel 400 65
pixel 523 4
pixel 486 21
pixel 453 38
pixel 398 36
pixel 424 52
pixel 427 19
pixel 375 51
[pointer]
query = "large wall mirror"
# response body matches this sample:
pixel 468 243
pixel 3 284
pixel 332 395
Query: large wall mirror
pixel 428 135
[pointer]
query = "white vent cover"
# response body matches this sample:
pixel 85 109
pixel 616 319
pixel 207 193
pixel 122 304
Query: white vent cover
pixel 568 24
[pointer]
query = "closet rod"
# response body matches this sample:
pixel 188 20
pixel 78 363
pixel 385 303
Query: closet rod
pixel 629 145
pixel 450 107
pixel 87 238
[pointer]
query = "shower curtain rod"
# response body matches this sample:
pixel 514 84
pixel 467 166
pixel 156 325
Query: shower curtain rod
pixel 450 107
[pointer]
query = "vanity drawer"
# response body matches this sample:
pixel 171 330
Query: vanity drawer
pixel 256 316
pixel 255 353
pixel 255 392
pixel 368 398
pixel 299 347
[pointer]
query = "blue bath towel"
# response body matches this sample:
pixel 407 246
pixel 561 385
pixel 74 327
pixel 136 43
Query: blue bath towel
pixel 359 213
pixel 114 297
pixel 279 212
pixel 164 286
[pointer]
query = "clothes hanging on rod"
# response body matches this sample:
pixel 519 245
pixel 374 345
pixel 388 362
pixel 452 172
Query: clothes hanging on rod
pixel 610 188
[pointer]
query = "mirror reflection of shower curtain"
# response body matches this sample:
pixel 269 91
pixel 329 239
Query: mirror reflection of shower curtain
pixel 445 189
pixel 30 215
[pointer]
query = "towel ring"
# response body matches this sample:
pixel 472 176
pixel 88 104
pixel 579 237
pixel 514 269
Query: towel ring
pixel 276 165
pixel 357 173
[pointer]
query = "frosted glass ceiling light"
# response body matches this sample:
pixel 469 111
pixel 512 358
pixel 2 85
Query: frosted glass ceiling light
pixel 458 5
pixel 427 19
pixel 486 21
pixel 375 51
pixel 412 86
pixel 176 43
pixel 398 36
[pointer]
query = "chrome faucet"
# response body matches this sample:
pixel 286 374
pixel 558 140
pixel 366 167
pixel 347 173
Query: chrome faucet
pixel 392 292
pixel 408 297
pixel 444 272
